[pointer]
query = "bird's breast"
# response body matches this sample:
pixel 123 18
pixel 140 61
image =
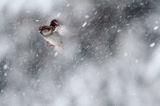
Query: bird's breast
pixel 54 39
pixel 46 32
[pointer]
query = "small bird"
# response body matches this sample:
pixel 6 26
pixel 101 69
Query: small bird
pixel 51 35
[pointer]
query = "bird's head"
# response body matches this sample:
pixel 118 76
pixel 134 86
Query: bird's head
pixel 54 23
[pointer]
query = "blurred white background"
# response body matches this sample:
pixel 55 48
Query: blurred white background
pixel 112 48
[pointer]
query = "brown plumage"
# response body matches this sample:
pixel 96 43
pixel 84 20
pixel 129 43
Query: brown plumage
pixel 51 35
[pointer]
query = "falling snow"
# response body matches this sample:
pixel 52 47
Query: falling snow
pixel 152 44
pixel 111 53
pixel 156 28
pixel 37 20
pixel 5 67
pixel 87 16
pixel 84 24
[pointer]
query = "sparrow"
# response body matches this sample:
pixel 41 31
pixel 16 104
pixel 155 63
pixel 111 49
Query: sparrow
pixel 51 35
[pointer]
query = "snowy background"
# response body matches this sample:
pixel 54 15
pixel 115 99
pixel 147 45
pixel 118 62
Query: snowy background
pixel 113 53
